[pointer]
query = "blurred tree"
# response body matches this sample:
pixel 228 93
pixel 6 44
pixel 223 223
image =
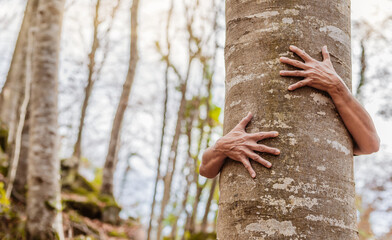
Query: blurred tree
pixel 94 70
pixel 43 202
pixel 166 58
pixel 171 164
pixel 111 157
pixel 309 192
pixel 12 110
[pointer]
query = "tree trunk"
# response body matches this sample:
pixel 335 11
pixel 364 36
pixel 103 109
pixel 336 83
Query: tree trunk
pixel 166 95
pixel 171 167
pixel 14 161
pixel 309 192
pixel 12 93
pixel 73 162
pixel 20 184
pixel 43 203
pixel 204 223
pixel 111 158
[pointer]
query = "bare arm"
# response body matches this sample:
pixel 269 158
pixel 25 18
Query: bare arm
pixel 322 76
pixel 239 146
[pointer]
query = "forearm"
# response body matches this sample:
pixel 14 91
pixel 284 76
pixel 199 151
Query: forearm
pixel 357 120
pixel 212 162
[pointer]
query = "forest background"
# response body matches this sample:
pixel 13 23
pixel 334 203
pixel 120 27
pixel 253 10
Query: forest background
pixel 187 52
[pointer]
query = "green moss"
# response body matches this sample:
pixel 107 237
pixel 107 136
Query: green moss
pixel 108 200
pixel 74 217
pixel 200 236
pixel 117 234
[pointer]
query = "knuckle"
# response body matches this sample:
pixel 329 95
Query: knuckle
pixel 261 149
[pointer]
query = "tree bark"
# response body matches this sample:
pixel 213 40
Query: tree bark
pixel 43 203
pixel 309 192
pixel 111 158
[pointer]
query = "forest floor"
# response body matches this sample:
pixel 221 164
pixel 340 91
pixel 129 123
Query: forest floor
pixel 86 214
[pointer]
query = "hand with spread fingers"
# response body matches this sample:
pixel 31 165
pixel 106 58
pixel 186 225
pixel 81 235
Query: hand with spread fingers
pixel 319 75
pixel 239 146
pixel 322 76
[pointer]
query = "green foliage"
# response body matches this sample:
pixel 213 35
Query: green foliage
pixel 97 181
pixel 4 201
pixel 11 225
pixel 214 114
pixel 170 219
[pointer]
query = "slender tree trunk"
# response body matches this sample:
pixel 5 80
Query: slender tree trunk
pixel 20 185
pixel 75 159
pixel 172 162
pixel 12 93
pixel 362 73
pixel 309 192
pixel 166 94
pixel 43 203
pixel 204 223
pixel 21 124
pixel 111 158
pixel 171 166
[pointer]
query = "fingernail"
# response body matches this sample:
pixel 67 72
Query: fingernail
pixel 277 151
pixel 290 87
pixel 276 133
pixel 253 175
pixel 269 165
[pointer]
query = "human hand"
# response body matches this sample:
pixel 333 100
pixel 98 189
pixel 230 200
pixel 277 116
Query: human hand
pixel 240 145
pixel 319 75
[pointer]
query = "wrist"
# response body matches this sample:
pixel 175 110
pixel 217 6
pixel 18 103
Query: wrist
pixel 338 90
pixel 218 149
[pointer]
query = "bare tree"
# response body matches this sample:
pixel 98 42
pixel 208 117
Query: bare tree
pixel 111 158
pixel 309 193
pixel 43 203
pixel 166 57
pixel 171 165
pixel 94 70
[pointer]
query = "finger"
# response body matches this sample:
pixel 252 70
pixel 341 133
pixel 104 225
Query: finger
pixel 265 149
pixel 293 62
pixel 242 124
pixel 299 84
pixel 263 135
pixel 248 167
pixel 301 53
pixel 259 159
pixel 295 73
pixel 325 53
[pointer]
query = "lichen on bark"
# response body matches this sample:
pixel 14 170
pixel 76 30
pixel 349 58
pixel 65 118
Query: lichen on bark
pixel 309 192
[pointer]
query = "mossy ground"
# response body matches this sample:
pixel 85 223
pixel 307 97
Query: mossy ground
pixel 86 214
